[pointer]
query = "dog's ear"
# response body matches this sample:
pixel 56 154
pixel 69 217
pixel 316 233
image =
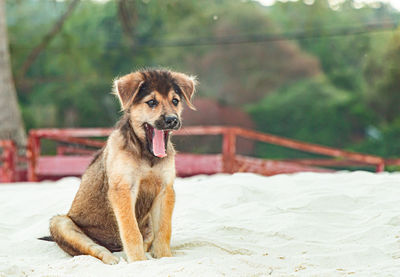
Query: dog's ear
pixel 188 86
pixel 127 87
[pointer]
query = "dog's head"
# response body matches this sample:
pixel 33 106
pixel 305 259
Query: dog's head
pixel 153 99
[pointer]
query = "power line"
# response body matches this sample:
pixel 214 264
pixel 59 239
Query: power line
pixel 262 38
pixel 259 38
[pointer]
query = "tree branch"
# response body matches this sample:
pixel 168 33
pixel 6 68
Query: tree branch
pixel 128 17
pixel 45 41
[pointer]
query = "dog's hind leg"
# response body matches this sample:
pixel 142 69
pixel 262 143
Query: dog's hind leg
pixel 75 242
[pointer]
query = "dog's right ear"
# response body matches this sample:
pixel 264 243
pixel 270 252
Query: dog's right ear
pixel 188 85
pixel 127 87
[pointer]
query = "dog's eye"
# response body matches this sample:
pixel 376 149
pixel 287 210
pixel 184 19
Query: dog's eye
pixel 175 101
pixel 152 103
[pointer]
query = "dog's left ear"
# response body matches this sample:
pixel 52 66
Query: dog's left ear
pixel 188 86
pixel 127 87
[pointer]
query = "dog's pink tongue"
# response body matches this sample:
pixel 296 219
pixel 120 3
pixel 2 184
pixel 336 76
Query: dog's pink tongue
pixel 159 143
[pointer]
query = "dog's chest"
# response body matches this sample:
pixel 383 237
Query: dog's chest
pixel 150 186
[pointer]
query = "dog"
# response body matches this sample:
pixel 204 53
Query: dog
pixel 126 197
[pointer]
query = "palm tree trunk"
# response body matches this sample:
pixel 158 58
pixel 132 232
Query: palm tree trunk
pixel 11 125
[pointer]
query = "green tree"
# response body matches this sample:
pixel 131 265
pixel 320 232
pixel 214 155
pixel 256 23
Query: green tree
pixel 384 143
pixel 241 73
pixel 342 58
pixel 311 110
pixel 383 86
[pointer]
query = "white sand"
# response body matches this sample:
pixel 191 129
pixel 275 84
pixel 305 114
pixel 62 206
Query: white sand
pixel 242 225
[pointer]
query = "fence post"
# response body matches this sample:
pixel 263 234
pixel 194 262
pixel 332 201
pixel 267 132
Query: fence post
pixel 32 154
pixel 12 161
pixel 9 161
pixel 380 167
pixel 229 150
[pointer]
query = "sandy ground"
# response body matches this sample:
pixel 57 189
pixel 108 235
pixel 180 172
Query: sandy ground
pixel 305 224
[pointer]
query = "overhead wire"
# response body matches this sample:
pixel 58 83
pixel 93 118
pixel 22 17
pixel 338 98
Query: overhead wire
pixel 316 33
pixel 271 37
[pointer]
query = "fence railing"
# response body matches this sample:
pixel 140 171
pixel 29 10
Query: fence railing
pixel 72 160
pixel 76 147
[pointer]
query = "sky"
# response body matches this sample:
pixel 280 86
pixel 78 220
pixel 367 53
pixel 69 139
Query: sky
pixel 394 3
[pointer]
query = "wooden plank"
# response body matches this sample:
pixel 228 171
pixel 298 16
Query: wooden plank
pixel 62 165
pixel 63 150
pixel 193 164
pixel 308 147
pixel 271 167
pixel 72 132
pixel 201 130
pixel 392 162
pixel 186 165
pixel 80 141
pixel 327 162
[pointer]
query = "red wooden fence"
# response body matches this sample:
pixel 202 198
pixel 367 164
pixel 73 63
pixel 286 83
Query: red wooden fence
pixel 73 160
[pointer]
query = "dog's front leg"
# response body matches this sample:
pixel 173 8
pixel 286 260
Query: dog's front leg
pixel 123 199
pixel 161 214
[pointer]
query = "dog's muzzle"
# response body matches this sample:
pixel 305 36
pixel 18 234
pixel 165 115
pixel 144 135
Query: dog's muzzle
pixel 171 122
pixel 168 122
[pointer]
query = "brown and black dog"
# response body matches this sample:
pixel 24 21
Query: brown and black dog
pixel 126 197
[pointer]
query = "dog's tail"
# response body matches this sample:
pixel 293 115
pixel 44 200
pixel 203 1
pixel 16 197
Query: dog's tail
pixel 47 238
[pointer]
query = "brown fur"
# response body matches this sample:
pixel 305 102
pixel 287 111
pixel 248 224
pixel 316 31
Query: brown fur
pixel 126 197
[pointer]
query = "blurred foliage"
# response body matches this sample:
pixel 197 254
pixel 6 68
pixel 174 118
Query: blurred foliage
pixel 341 57
pixel 303 110
pixel 311 110
pixel 385 143
pixel 354 104
pixel 383 91
pixel 339 91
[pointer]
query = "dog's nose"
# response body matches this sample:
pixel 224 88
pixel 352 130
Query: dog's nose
pixel 171 121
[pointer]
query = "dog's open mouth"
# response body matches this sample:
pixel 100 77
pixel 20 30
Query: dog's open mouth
pixel 156 140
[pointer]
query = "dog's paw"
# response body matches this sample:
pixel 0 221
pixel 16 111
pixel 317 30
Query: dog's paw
pixel 159 251
pixel 135 254
pixel 110 259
